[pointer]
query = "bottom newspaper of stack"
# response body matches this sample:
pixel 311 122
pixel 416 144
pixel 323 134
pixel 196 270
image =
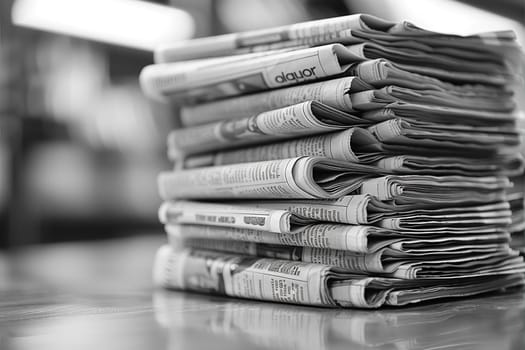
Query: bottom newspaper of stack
pixel 354 251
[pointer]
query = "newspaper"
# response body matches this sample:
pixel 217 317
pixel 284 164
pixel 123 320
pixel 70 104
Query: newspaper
pixel 307 33
pixel 379 98
pixel 402 292
pixel 415 112
pixel 242 276
pixel 225 79
pixel 424 62
pixel 303 177
pixel 305 283
pixel 442 137
pixel 351 29
pixel 354 238
pixel 385 261
pixel 366 209
pixel 437 189
pixel 350 238
pixel 334 93
pixel 381 72
pixel 301 119
pixel 216 214
pixel 507 165
pixel 321 178
pixel 252 74
pixel 359 145
pixel 356 145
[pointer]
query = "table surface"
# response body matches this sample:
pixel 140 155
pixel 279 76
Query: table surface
pixel 99 296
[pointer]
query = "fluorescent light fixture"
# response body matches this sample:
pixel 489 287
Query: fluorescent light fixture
pixel 131 23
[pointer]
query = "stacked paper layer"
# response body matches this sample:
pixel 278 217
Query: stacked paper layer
pixel 345 162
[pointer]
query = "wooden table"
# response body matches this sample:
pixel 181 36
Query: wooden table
pixel 99 296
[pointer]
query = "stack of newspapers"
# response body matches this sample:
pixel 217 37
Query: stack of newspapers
pixel 346 162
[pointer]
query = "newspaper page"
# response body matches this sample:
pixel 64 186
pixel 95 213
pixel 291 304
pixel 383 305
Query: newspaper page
pixel 379 98
pixel 399 129
pixel 217 214
pixel 358 145
pixel 334 93
pixel 384 261
pixel 215 81
pixel 315 177
pixel 243 276
pixel 307 33
pixel 301 119
pixel 244 76
pixel 506 262
pixel 352 261
pixel 506 165
pixel 494 46
pixel 403 292
pixel 381 72
pixel 437 189
pixel 350 209
pixel 414 112
pixel 367 209
pixel 354 145
pixel 354 238
pixel 303 177
pixel 425 62
pixel 346 29
pixel 398 136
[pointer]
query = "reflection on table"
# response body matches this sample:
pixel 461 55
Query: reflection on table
pixel 495 322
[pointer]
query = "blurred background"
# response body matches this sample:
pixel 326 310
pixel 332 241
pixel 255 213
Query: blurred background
pixel 80 147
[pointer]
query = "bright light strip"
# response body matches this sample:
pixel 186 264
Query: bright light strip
pixel 131 23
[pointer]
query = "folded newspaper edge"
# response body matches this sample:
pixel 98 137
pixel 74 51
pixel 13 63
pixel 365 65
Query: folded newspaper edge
pixel 356 145
pixel 216 214
pixel 303 177
pixel 202 82
pixel 305 118
pixel 333 92
pixel 229 44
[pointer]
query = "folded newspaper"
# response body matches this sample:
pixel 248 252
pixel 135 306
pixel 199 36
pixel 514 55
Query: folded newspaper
pixel 350 29
pixel 350 161
pixel 301 119
pixel 358 145
pixel 470 261
pixel 322 178
pixel 284 215
pixel 206 81
pixel 348 238
pixel 307 283
pixel 335 92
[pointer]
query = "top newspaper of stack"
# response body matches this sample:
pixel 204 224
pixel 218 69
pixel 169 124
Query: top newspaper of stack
pixel 289 56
